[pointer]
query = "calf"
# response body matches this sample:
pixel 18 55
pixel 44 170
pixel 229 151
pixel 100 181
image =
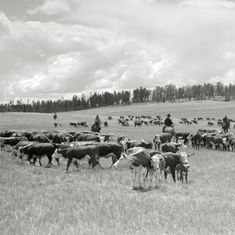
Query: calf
pixel 79 152
pixel 172 160
pixel 37 150
pixel 158 166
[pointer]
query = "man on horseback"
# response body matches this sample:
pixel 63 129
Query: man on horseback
pixel 168 123
pixel 96 126
pixel 226 124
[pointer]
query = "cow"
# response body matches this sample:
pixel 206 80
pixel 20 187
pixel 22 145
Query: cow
pixel 210 123
pixel 173 147
pixel 82 124
pixel 104 149
pixel 74 124
pixel 138 123
pixel 216 142
pixel 197 140
pixel 158 166
pixel 38 150
pixel 139 161
pixel 172 160
pixel 124 123
pixel 79 152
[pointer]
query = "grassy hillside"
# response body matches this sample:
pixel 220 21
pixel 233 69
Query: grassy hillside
pixel 39 200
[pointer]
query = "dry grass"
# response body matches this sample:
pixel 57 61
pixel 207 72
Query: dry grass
pixel 39 200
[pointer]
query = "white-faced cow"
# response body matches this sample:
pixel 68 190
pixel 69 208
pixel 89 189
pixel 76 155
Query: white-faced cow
pixel 139 161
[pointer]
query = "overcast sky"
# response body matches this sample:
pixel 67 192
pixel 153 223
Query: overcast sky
pixel 55 48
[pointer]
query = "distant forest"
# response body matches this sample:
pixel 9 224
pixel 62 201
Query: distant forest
pixel 168 93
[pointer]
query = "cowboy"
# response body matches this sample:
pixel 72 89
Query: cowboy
pixel 96 126
pixel 168 122
pixel 225 124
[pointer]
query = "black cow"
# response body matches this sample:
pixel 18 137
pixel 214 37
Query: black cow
pixel 82 124
pixel 172 160
pixel 79 152
pixel 74 124
pixel 138 123
pixel 37 150
pixel 106 148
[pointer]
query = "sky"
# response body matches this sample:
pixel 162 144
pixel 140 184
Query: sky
pixel 56 48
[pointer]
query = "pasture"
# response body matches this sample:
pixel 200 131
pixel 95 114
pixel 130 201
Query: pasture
pixel 39 200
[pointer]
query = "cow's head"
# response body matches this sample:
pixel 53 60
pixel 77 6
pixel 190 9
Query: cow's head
pixel 183 158
pixel 155 161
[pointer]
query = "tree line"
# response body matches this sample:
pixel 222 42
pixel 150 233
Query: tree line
pixel 168 93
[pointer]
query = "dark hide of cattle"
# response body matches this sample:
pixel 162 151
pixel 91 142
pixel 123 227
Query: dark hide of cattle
pixel 58 138
pixel 7 133
pixel 12 141
pixel 172 160
pixel 107 148
pixel 42 138
pixel 79 152
pixel 37 150
pixel 170 147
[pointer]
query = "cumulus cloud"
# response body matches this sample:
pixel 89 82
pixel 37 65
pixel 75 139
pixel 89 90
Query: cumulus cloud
pixel 71 46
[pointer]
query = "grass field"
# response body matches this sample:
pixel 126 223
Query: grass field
pixel 39 200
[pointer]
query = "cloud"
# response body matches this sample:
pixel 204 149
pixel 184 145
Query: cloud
pixel 227 78
pixel 5 24
pixel 107 44
pixel 51 7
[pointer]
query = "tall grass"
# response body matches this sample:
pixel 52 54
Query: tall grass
pixel 38 200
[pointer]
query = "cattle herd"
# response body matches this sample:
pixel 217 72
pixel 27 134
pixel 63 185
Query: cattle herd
pixel 164 154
